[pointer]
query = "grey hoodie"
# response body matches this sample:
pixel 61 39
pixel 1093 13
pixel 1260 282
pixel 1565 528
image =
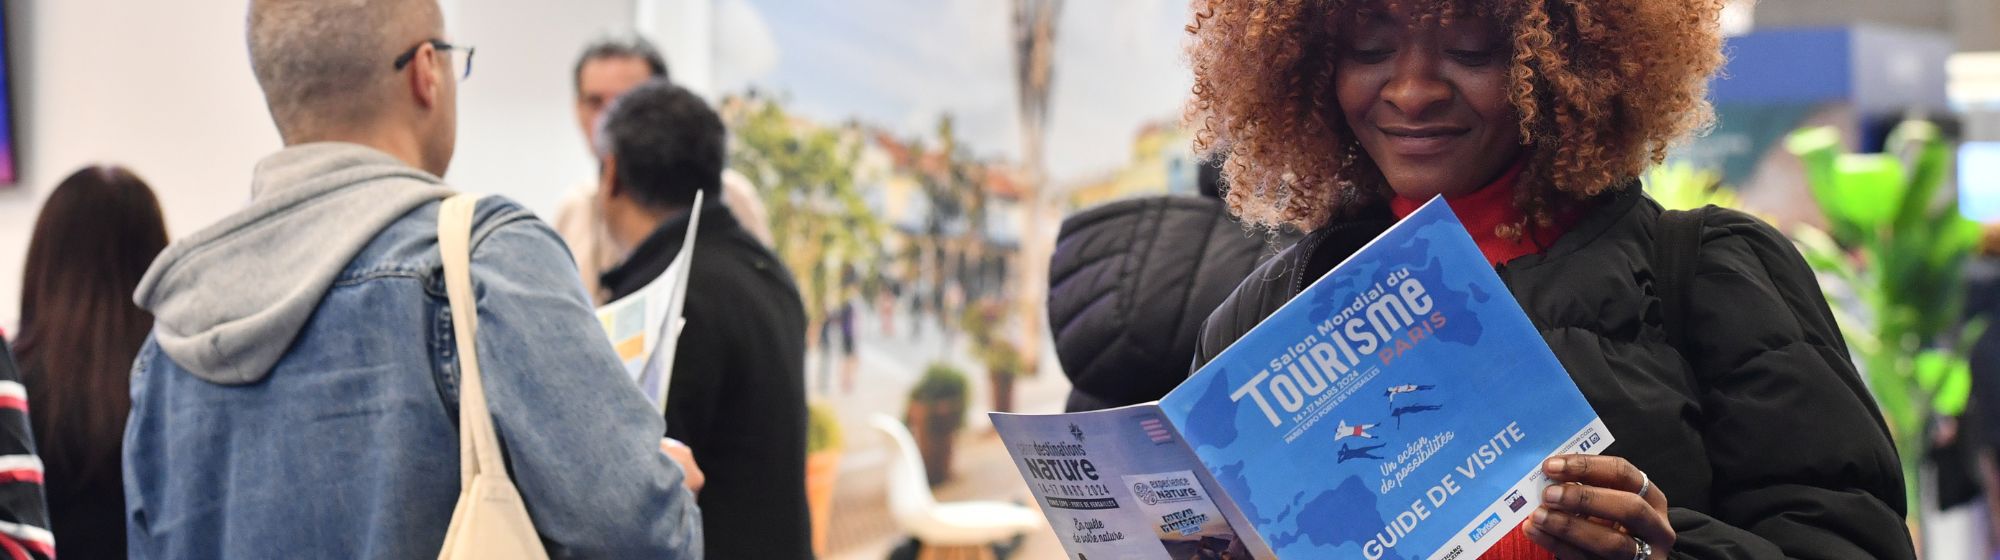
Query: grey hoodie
pixel 229 299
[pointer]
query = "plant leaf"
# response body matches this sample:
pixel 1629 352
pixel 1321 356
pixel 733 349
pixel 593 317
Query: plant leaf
pixel 1955 390
pixel 1932 367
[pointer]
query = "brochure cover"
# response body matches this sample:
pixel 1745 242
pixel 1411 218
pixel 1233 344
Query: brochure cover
pixel 1119 485
pixel 645 327
pixel 1398 408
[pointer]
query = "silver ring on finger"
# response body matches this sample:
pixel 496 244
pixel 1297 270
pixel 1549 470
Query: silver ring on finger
pixel 1645 484
pixel 1642 550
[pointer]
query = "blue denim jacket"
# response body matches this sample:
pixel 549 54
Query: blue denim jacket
pixel 348 446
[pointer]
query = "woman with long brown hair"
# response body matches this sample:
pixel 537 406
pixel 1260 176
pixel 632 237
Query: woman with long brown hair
pixel 97 233
pixel 1743 430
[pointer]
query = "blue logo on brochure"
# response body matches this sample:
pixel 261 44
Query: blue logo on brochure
pixel 1485 527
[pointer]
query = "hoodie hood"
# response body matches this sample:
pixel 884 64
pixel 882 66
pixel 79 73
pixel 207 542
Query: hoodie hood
pixel 230 299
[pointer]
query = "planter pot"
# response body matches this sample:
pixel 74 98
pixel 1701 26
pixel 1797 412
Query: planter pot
pixel 822 469
pixel 935 426
pixel 1003 391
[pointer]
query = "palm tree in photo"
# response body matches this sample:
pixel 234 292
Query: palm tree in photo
pixel 1034 72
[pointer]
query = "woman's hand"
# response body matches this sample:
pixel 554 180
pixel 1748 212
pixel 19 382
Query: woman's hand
pixel 1600 508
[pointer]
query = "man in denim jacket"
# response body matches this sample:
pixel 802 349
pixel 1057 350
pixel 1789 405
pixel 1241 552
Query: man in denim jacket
pixel 299 396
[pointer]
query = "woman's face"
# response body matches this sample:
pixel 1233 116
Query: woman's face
pixel 1429 101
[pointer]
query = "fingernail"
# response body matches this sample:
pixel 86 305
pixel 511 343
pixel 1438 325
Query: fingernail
pixel 1554 494
pixel 1541 514
pixel 1555 466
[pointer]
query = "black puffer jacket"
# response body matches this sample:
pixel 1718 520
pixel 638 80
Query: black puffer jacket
pixel 1129 285
pixel 1759 430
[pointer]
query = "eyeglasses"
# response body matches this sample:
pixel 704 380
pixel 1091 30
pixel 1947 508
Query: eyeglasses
pixel 405 58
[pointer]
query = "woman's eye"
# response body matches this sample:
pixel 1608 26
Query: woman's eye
pixel 1369 56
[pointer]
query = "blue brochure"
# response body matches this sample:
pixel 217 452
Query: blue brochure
pixel 1398 408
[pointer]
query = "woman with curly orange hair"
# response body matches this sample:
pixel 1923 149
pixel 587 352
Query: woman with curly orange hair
pixel 1743 430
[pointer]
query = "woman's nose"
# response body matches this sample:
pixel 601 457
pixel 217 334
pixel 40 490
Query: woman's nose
pixel 1416 88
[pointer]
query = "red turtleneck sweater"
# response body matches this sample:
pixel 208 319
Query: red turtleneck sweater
pixel 1483 211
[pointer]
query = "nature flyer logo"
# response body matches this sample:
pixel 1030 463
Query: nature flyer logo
pixel 1145 494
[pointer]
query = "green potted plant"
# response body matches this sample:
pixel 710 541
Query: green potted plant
pixel 1902 251
pixel 1004 362
pixel 1003 359
pixel 824 443
pixel 937 412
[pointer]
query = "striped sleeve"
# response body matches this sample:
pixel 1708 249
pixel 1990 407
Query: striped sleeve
pixel 24 516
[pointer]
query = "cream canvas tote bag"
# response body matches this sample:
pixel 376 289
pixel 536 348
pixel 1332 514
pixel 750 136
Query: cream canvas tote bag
pixel 491 522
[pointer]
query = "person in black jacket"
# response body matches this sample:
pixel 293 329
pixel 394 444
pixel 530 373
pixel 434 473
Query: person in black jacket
pixel 1752 437
pixel 738 391
pixel 1131 281
pixel 1979 428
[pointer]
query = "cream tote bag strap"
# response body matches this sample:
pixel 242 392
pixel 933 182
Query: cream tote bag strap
pixel 491 522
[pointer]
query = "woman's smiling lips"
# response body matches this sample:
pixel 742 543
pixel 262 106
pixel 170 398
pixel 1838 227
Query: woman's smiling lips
pixel 1420 140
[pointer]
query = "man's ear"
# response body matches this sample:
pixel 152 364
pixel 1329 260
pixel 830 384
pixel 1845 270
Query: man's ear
pixel 607 179
pixel 426 76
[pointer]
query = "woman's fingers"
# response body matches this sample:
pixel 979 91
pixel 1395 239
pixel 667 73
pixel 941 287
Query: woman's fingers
pixel 1623 508
pixel 1605 472
pixel 1571 537
pixel 1562 549
pixel 1606 488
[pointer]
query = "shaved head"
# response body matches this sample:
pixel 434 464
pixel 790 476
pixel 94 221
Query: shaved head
pixel 328 63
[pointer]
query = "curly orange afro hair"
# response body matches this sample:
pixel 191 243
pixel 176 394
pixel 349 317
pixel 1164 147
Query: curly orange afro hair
pixel 1603 88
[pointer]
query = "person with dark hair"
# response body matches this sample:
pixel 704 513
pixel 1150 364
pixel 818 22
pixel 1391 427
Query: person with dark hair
pixel 738 391
pixel 97 233
pixel 607 69
pixel 300 393
pixel 1701 338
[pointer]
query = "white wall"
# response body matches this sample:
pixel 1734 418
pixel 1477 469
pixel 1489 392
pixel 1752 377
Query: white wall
pixel 162 87
pixel 517 131
pixel 685 31
pixel 165 88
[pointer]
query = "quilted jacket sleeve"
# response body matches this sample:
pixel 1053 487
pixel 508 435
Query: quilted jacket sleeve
pixel 1129 285
pixel 1803 463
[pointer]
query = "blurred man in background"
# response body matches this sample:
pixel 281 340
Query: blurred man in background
pixel 607 69
pixel 738 390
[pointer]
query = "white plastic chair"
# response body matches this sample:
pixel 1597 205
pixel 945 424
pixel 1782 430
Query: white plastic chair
pixel 950 525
